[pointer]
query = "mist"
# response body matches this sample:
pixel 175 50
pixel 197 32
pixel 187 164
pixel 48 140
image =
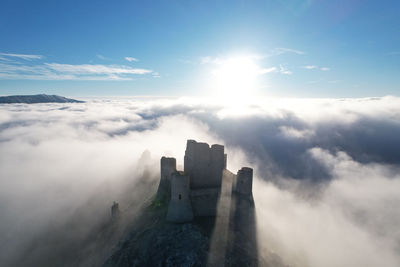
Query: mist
pixel 326 184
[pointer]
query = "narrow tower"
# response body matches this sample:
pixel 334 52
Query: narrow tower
pixel 168 166
pixel 244 181
pixel 179 209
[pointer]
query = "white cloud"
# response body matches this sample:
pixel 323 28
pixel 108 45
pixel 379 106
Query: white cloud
pixel 17 69
pixel 62 156
pixel 313 67
pixel 267 70
pixel 22 56
pixel 56 71
pixel 349 224
pixel 96 69
pixel 310 67
pixel 282 50
pixel 102 57
pixel 291 132
pixel 285 71
pixel 130 59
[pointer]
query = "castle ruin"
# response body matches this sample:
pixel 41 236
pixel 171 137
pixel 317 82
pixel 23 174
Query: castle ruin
pixel 197 190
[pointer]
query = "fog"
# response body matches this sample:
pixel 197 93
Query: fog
pixel 326 185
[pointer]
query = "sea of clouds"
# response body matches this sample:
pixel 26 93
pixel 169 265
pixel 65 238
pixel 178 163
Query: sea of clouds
pixel 327 171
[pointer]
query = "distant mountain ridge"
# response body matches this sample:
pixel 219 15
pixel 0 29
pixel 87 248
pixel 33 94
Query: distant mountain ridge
pixel 33 99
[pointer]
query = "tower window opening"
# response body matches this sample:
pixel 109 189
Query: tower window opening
pixel 180 196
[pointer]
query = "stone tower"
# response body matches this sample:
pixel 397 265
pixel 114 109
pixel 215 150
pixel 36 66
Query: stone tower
pixel 244 181
pixel 180 208
pixel 197 191
pixel 168 166
pixel 203 164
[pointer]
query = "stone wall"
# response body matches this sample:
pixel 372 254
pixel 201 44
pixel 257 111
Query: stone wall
pixel 198 190
pixel 204 201
pixel 168 166
pixel 203 164
pixel 180 209
pixel 244 181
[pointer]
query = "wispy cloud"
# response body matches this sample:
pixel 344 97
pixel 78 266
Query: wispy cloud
pixel 130 59
pixel 310 67
pixel 267 70
pixel 56 71
pixel 156 75
pixel 284 70
pixel 95 69
pixel 313 67
pixel 21 56
pixel 283 50
pixel 15 67
pixel 102 57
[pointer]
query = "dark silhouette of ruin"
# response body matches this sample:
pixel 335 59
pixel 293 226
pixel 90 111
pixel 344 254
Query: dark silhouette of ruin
pixel 206 192
pixel 195 192
pixel 203 215
pixel 115 212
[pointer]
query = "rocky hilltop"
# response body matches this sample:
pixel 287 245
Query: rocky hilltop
pixel 206 241
pixel 201 216
pixel 34 99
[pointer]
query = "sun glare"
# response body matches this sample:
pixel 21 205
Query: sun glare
pixel 235 78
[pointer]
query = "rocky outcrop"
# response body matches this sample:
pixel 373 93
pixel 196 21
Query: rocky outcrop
pixel 206 241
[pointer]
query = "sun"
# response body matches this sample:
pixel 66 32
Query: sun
pixel 235 78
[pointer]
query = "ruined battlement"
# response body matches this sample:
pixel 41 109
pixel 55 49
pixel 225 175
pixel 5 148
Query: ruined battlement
pixel 197 190
pixel 244 181
pixel 204 164
pixel 167 167
pixel 180 209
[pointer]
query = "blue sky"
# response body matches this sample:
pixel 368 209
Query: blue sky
pixel 171 48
